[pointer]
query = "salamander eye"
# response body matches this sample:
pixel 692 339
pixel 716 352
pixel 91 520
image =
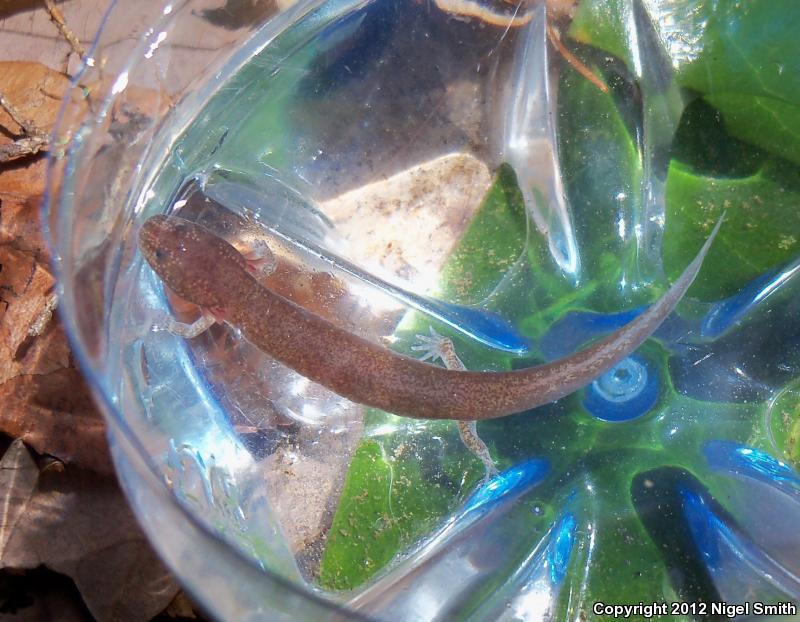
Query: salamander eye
pixel 160 255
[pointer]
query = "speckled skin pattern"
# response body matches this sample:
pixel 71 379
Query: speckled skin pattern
pixel 207 271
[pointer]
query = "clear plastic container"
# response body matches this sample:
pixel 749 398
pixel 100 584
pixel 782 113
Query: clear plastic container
pixel 520 178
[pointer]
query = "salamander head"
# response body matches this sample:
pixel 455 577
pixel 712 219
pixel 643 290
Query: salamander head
pixel 197 265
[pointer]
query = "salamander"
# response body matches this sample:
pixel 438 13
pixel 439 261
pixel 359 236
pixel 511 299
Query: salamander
pixel 204 269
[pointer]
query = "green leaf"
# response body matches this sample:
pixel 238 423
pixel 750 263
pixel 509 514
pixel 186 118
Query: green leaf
pixel 493 242
pixel 387 503
pixel 743 57
pixel 761 231
pixel 604 24
pixel 703 144
pixel 769 123
pixel 748 68
pixel 747 47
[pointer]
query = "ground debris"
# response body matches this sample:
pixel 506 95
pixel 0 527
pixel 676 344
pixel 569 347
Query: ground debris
pixel 77 523
pixel 70 548
pixel 30 97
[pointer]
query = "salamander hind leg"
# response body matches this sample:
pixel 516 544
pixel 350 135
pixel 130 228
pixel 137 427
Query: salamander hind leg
pixel 438 347
pixel 181 329
pixel 468 430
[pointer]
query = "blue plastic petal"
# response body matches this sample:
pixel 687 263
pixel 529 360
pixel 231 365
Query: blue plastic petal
pixel 754 463
pixel 726 313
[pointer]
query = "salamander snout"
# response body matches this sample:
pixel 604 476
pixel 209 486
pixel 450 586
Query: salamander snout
pixel 152 235
pixel 164 238
pixel 167 243
pixel 193 262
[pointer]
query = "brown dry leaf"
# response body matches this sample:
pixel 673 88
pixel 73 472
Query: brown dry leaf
pixel 45 401
pixel 78 523
pixel 31 96
pixel 73 521
pixel 35 90
pixel 21 193
pixel 181 607
pixel 18 475
pixel 25 290
pixel 9 7
pixel 240 13
pixel 54 414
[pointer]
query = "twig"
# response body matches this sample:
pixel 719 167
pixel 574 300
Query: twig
pixel 33 138
pixel 28 126
pixel 57 17
pixel 23 147
pixel 40 323
pixel 555 39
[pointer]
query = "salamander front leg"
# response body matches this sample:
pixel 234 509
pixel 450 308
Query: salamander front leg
pixel 261 260
pixel 181 329
pixel 439 347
